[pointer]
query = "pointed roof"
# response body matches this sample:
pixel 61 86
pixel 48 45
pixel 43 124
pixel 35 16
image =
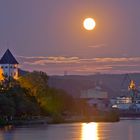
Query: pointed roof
pixel 8 58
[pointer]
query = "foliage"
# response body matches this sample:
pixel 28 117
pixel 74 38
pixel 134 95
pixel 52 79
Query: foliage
pixel 31 95
pixel 55 102
pixel 16 102
pixel 52 101
pixel 36 82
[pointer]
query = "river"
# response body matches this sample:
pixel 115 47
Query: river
pixel 123 130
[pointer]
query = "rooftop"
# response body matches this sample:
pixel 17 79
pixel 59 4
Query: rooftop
pixel 8 58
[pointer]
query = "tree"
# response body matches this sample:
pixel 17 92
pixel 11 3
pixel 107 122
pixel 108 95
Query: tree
pixel 24 103
pixel 36 82
pixel 52 101
pixel 7 106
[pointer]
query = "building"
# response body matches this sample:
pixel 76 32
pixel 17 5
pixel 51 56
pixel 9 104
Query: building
pixel 96 98
pixel 125 103
pixel 8 66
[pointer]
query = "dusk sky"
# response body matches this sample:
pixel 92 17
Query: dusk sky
pixel 48 35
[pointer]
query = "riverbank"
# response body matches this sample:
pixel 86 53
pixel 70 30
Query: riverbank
pixel 103 118
pixel 27 121
pixel 35 120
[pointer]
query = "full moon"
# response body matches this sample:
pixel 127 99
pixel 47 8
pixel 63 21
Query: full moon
pixel 89 23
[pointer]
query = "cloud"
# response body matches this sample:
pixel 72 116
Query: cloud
pixel 51 60
pixel 77 65
pixel 97 46
pixel 111 59
pixel 75 59
pixel 31 57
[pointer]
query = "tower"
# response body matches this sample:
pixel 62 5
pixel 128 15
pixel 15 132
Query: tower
pixel 8 65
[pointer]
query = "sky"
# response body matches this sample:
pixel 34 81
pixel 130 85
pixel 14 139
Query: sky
pixel 48 35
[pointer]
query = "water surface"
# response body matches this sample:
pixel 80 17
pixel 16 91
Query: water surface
pixel 123 130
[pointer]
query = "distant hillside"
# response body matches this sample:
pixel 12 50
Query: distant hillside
pixel 114 84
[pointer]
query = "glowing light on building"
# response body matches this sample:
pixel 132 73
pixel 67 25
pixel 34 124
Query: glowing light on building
pixel 1 74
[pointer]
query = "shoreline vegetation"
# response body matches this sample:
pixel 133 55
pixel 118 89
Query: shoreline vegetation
pixel 30 100
pixel 49 120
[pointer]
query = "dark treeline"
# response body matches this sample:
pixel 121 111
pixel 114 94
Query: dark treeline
pixel 30 96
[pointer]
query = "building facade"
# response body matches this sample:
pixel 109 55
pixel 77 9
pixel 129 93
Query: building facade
pixel 8 66
pixel 96 98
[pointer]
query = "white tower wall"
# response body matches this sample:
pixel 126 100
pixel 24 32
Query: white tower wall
pixel 10 70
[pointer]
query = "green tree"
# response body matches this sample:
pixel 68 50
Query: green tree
pixel 52 101
pixel 7 106
pixel 36 82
